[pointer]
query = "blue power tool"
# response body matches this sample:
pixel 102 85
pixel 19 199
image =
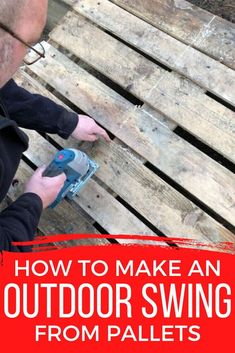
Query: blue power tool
pixel 78 168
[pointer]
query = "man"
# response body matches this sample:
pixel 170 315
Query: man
pixel 21 26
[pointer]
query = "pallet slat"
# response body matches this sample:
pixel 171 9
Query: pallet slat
pixel 96 201
pixel 23 79
pixel 206 72
pixel 109 206
pixel 169 100
pixel 161 205
pixel 190 24
pixel 197 173
pixel 108 212
pixel 167 209
pixel 163 91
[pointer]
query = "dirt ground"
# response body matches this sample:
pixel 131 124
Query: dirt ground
pixel 222 8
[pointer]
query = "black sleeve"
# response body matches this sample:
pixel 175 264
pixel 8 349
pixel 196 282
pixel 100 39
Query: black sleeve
pixel 35 112
pixel 19 222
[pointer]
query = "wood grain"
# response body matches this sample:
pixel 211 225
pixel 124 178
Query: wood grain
pixel 160 204
pixel 205 71
pixel 102 206
pixel 190 24
pixel 206 119
pixel 139 129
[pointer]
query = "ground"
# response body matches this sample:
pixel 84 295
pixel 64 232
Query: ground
pixel 223 8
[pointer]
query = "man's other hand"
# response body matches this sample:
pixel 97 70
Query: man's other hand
pixel 88 130
pixel 46 188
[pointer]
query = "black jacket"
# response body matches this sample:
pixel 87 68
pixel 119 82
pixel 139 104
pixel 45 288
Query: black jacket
pixel 19 221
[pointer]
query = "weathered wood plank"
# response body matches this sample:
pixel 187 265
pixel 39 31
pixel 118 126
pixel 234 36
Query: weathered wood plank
pixel 162 120
pixel 96 201
pixel 162 90
pixel 160 204
pixel 150 196
pixel 111 215
pixel 197 173
pixel 205 71
pixel 64 219
pixel 190 24
pixel 23 79
pixel 29 83
pixel 106 210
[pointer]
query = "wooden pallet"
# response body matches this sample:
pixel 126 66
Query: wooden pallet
pixel 161 81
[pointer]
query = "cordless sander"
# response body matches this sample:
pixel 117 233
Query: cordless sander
pixel 78 168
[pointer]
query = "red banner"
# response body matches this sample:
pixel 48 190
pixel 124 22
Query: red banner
pixel 127 298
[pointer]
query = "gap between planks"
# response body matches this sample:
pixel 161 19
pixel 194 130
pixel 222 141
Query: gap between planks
pixel 155 208
pixel 129 224
pixel 200 175
pixel 173 96
pixel 190 24
pixel 205 71
pixel 165 208
pixel 96 201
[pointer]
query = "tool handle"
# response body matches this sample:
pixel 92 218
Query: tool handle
pixel 53 170
pixel 59 163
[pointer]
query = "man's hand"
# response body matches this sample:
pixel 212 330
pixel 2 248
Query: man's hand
pixel 45 187
pixel 88 130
